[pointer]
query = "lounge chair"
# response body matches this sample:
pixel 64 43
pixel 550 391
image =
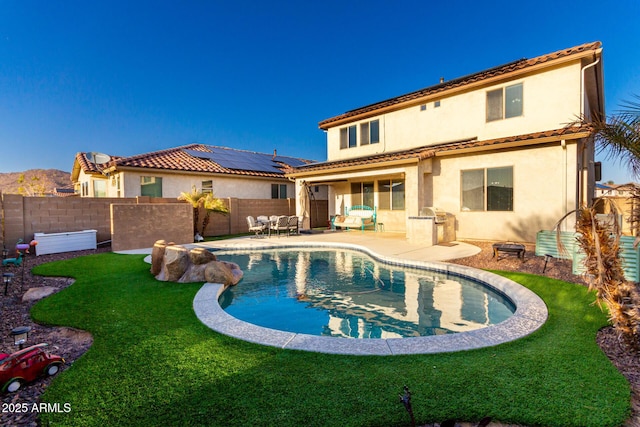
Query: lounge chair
pixel 256 227
pixel 281 224
pixel 293 225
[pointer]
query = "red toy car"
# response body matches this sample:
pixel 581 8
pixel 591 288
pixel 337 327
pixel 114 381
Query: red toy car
pixel 26 365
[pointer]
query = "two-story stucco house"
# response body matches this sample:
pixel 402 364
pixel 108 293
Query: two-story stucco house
pixel 227 172
pixel 492 149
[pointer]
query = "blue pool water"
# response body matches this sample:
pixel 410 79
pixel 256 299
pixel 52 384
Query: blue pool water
pixel 344 293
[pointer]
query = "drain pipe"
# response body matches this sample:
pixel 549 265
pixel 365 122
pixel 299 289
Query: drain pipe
pixel 582 180
pixel 564 168
pixel 582 96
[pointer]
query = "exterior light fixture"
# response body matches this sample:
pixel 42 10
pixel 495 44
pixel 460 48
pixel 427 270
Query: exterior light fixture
pixel 20 335
pixel 5 253
pixel 6 278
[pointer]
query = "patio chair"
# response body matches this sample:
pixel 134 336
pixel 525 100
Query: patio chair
pixel 293 225
pixel 281 224
pixel 255 227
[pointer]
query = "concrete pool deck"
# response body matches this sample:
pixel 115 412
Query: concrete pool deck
pixel 531 312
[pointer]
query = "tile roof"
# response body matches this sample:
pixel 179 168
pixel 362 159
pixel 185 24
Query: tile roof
pixel 463 81
pixel 428 151
pixel 178 159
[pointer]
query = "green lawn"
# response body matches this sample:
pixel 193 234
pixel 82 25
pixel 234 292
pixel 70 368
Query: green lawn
pixel 153 363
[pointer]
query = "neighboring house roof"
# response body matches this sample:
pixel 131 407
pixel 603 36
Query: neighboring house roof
pixel 64 192
pixel 617 187
pixel 200 158
pixel 425 152
pixel 480 77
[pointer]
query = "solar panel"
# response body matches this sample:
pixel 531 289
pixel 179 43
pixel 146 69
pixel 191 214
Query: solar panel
pixel 245 160
pixel 291 161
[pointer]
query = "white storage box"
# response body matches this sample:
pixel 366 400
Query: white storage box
pixel 53 243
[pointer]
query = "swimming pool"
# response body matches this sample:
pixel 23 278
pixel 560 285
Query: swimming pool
pixel 530 314
pixel 346 293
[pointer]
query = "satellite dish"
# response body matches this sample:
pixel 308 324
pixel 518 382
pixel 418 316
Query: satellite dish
pixel 98 158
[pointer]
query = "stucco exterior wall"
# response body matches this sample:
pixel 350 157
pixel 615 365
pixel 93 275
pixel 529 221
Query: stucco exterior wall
pixel 543 191
pixel 550 101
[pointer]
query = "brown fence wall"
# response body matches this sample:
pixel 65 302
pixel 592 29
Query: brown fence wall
pixel 141 225
pixel 24 216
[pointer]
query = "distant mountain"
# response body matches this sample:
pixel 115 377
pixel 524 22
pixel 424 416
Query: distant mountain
pixel 35 181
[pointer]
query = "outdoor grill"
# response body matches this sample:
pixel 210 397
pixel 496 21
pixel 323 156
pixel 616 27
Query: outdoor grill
pixel 439 215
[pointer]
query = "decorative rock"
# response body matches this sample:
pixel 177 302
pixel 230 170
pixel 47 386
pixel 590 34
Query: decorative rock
pixel 157 255
pixel 194 273
pixel 34 294
pixel 201 256
pixel 223 272
pixel 175 263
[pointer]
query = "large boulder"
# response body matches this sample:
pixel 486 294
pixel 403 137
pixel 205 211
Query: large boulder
pixel 172 263
pixel 175 263
pixel 223 272
pixel 157 254
pixel 201 256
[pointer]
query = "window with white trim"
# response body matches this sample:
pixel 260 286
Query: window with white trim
pixel 278 191
pixel 369 134
pixel 207 187
pixel 504 103
pixel 489 189
pixel 362 194
pixel 391 194
pixel 151 186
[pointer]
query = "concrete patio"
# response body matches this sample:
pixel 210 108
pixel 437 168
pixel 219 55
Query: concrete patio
pixel 394 245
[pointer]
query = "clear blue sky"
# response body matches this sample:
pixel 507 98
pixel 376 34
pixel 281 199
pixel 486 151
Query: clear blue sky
pixel 129 77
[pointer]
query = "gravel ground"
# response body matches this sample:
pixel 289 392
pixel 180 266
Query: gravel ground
pixel 71 344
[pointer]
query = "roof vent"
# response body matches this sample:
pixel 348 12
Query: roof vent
pixel 441 79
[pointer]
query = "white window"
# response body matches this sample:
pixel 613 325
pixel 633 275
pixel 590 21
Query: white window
pixel 391 194
pixel 369 134
pixel 207 187
pixel 362 193
pixel 504 103
pixel 100 188
pixel 488 189
pixel 151 186
pixel 278 191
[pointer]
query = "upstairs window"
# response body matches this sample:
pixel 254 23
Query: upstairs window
pixel 348 137
pixel 369 134
pixel 504 103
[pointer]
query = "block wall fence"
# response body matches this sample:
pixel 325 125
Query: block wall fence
pixel 23 216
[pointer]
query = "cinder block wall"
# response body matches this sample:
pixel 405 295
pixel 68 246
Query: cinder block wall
pixel 141 225
pixel 13 215
pixel 56 215
pixel 24 216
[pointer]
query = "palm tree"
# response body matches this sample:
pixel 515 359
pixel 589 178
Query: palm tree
pixel 620 135
pixel 212 204
pixel 195 198
pixel 600 242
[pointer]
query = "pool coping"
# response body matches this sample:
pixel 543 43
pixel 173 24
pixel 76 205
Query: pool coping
pixel 531 313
